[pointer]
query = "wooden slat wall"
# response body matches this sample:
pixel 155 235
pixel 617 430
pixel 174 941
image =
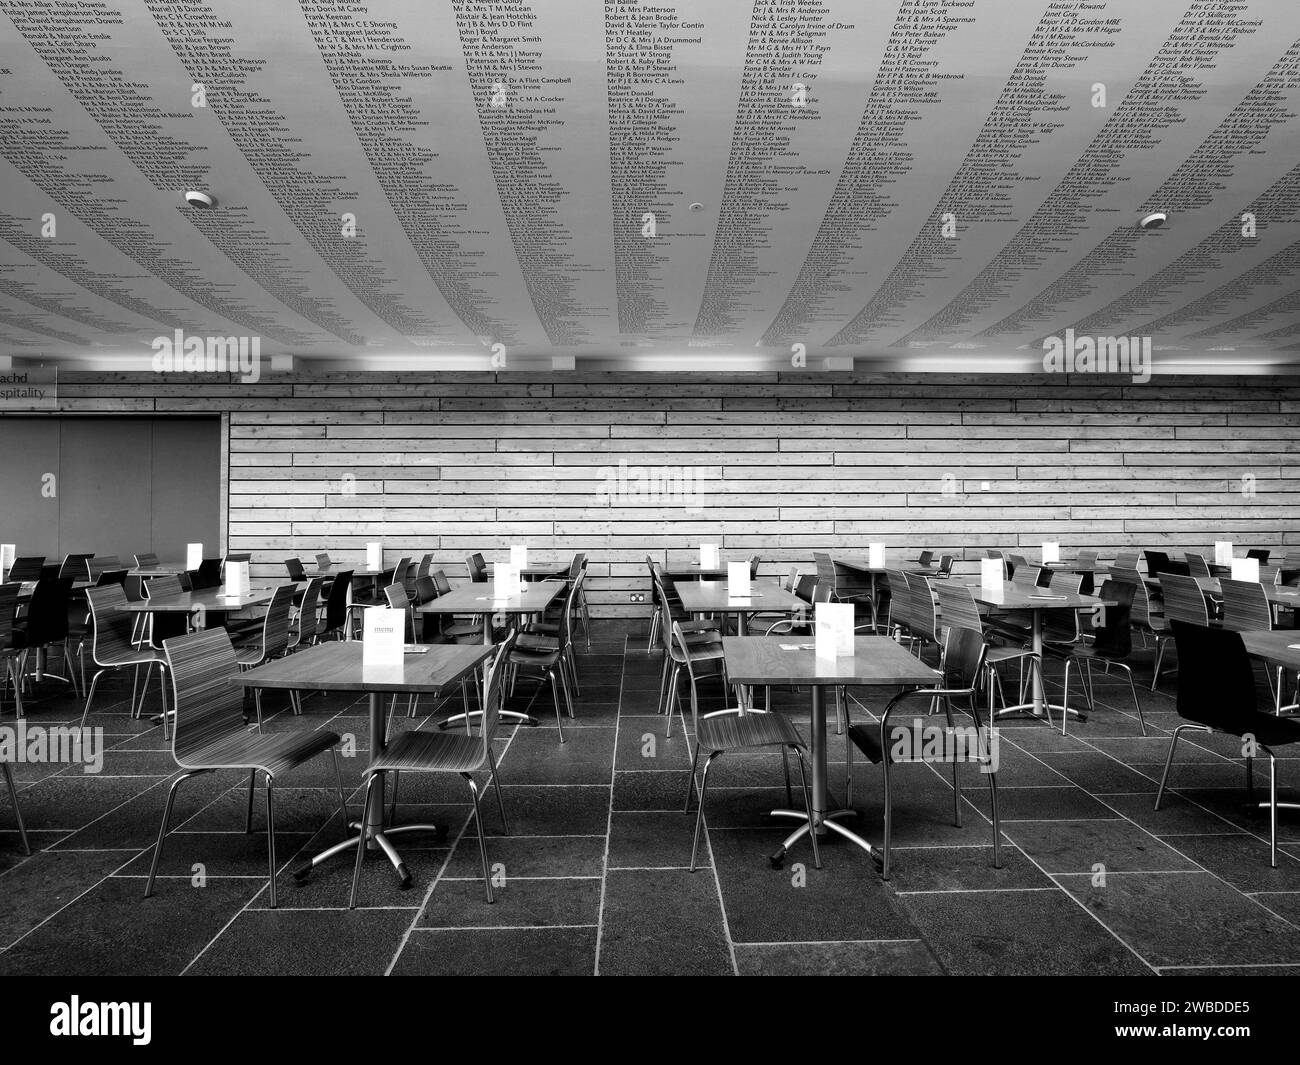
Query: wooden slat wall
pixel 788 464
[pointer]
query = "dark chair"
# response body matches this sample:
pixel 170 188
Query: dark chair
pixel 451 628
pixel 323 563
pixel 1245 606
pixel 268 640
pixel 1111 645
pixel 146 560
pixel 550 660
pixel 1197 566
pixel 1216 693
pixel 100 565
pixel 1182 600
pixel 964 664
pixel 76 566
pixel 210 734
pixel 924 558
pixel 477 567
pixel 1260 553
pixel 9 653
pixel 337 613
pixel 418 751
pixel 737 729
pixel 295 569
pixel 209 575
pixel 945 567
pixel 303 630
pixel 45 625
pixel 111 576
pixel 26 568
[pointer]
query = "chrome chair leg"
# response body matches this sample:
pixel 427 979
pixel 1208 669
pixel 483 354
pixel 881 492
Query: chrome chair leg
pixel 482 842
pixel 361 843
pixel 555 695
pixel 270 837
pixel 396 778
pixel 496 787
pixel 690 783
pixel 338 781
pixel 162 829
pixel 807 805
pixel 785 766
pixel 1272 809
pixel 673 697
pixel 1169 761
pixel 889 808
pixel 699 819
pixel 252 788
pixel 18 813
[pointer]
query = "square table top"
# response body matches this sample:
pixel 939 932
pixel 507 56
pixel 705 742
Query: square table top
pixel 907 565
pixel 1277 645
pixel 1012 596
pixel 710 597
pixel 478 599
pixel 336 666
pixel 790 660
pixel 210 599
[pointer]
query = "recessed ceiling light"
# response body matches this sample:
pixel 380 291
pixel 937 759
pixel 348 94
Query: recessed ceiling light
pixel 1154 220
pixel 199 199
pixel 697 207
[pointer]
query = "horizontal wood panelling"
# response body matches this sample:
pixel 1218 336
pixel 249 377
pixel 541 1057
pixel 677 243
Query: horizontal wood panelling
pixel 785 465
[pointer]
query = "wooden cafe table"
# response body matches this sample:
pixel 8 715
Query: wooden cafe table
pixel 478 598
pixel 710 597
pixel 877 661
pixel 1037 601
pixel 337 666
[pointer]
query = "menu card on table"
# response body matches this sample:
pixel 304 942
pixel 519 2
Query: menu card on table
pixel 375 556
pixel 236 578
pixel 1245 569
pixel 1051 551
pixel 7 553
pixel 833 629
pixel 991 574
pixel 1223 552
pixel 738 580
pixel 519 556
pixel 382 633
pixel 876 556
pixel 505 580
pixel 193 556
pixel 708 556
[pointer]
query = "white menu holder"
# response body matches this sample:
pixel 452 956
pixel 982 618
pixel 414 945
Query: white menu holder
pixel 708 556
pixel 833 628
pixel 1223 552
pixel 738 580
pixel 193 556
pixel 375 556
pixel 1051 551
pixel 991 574
pixel 7 553
pixel 876 556
pixel 1245 569
pixel 237 578
pixel 382 635
pixel 519 556
pixel 505 580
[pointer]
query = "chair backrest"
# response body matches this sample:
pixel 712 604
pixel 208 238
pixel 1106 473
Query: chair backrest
pixel 102 564
pixel 47 611
pixel 210 572
pixel 275 625
pixel 1183 599
pixel 164 586
pixel 1216 684
pixel 323 562
pixel 146 559
pixel 925 617
pixel 477 568
pixel 957 607
pixel 440 582
pixel 209 704
pixel 1017 563
pixel 26 568
pixel 111 576
pixel 990 553
pixel 1142 606
pixel 1115 634
pixel 396 596
pixel 1157 563
pixel 945 566
pixel 1085 559
pixel 426 563
pixel 295 568
pixel 1129 576
pixel 754 562
pixel 791 581
pixel 1245 606
pixel 822 592
pixel 1023 575
pixel 1126 559
pixel 825 573
pixel 309 612
pixel 8 609
pixel 112 624
pixel 1197 566
pixel 578 564
pixel 336 606
pixel 76 566
pixel 963 659
pixel 806 587
pixel 900 602
pixel 1063 625
pixel 494 690
pixel 426 591
pixel 1260 553
pixel 924 558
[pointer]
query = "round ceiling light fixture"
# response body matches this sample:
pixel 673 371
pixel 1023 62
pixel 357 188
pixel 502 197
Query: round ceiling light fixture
pixel 1153 221
pixel 697 207
pixel 199 199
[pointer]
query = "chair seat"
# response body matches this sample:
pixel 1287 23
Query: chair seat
pixel 433 752
pixel 726 732
pixel 536 641
pixel 534 656
pixel 271 753
pixel 1007 654
pixel 1269 729
pixel 250 656
pixel 135 657
pixel 703 652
